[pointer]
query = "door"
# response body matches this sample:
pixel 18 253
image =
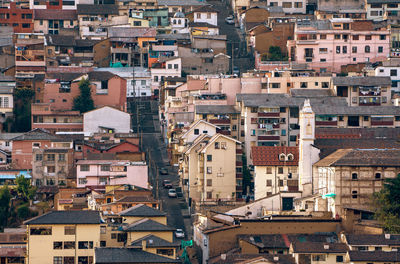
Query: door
pixel 287 203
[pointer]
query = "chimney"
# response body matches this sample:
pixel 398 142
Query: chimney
pixel 326 246
pixel 387 236
pixel 144 243
pixel 223 256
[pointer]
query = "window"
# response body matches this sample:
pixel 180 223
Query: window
pixel 283 132
pixel 254 110
pixel 137 23
pixel 380 49
pixel 354 50
pixel 393 72
pixel 35 145
pixel 57 245
pixel 113 236
pixel 378 248
pixel 105 168
pixel 42 231
pixel 84 167
pixel 209 170
pixel 198 15
pixel 366 118
pixel 85 244
pixel 367 49
pixel 287 5
pixel 69 245
pixel 61 157
pixel 339 258
pixel 209 157
pixel 382 37
pixel 39 157
pixel 354 194
pixel 325 84
pixel 303 85
pixel 82 181
pixel 209 195
pixel 280 183
pixel 323 50
pixel 280 170
pixel 69 230
pixel 322 36
pixel 275 85
pixel 51 169
pixel 377 175
pixel 169 66
pixel 269 182
pixel 69 260
pixel 397 118
pixel 103 243
pixel 338 49
pixel 216 145
pixel 223 145
pixel 209 182
pixel 167 252
pixel 156 78
pixel 318 257
pixel 57 260
pixel 337 36
pixel 354 176
pixel 356 37
pixel 344 49
pixel 269 170
pixel 208 15
pixel 196 131
pixel 50 157
pixel 298 5
pixel 368 37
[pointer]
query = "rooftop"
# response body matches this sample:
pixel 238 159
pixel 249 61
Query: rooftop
pixel 379 256
pixel 85 9
pixel 123 32
pixel 270 156
pixel 36 134
pixel 146 224
pixel 216 109
pixel 142 210
pixel 375 240
pixel 129 255
pixel 48 14
pixel 66 218
pixel 318 247
pixel 181 3
pixel 153 241
pixel 362 81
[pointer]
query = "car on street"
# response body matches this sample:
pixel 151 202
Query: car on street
pixel 163 171
pixel 167 184
pixel 230 20
pixel 179 233
pixel 171 193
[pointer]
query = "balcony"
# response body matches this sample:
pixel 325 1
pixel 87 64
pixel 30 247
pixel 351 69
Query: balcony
pixel 271 114
pixel 326 123
pixel 239 163
pixel 219 121
pixel 268 138
pixel 381 123
pixel 266 126
pixel 239 151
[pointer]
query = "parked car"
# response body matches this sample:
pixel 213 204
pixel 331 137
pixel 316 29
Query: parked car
pixel 167 184
pixel 230 20
pixel 163 171
pixel 179 193
pixel 172 193
pixel 236 71
pixel 179 233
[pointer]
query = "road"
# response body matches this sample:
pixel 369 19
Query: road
pixel 156 153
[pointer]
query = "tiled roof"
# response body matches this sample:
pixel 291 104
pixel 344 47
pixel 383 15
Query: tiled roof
pixel 123 32
pixel 36 134
pixel 373 240
pixel 100 75
pixel 371 256
pixel 367 133
pixel 8 136
pixel 269 155
pixel 146 225
pixel 136 199
pixel 153 241
pixel 181 3
pixel 128 255
pixel 66 217
pixel 85 9
pixel 317 247
pixel 362 80
pixel 202 24
pixel 216 109
pixel 67 76
pixel 142 210
pixel 206 8
pixel 62 40
pixel 254 258
pixel 266 241
pixel 58 14
pixel 12 252
pixel 311 92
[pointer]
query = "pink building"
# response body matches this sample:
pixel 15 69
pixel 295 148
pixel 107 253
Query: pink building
pixel 98 173
pixel 326 45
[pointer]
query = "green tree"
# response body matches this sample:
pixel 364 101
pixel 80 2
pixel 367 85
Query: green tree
pixel 22 109
pixel 84 102
pixel 5 198
pixel 24 188
pixel 275 53
pixel 246 175
pixel 23 212
pixel 387 205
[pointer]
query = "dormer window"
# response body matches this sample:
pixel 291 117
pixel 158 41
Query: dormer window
pixel 290 157
pixel 282 157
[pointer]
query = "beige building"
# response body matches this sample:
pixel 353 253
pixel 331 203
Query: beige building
pixel 63 237
pixel 212 169
pixel 318 252
pixel 275 170
pixel 347 178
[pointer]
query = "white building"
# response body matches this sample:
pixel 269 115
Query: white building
pixel 66 4
pixel 179 23
pixel 106 120
pixel 138 87
pixel 391 68
pixel 206 14
pixel 382 9
pixel 290 6
pixel 167 67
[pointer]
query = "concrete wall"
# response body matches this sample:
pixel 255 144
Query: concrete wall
pixel 106 117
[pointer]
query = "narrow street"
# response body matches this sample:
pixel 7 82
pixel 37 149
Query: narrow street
pixel 156 153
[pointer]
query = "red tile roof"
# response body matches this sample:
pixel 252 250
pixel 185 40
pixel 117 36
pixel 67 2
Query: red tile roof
pixel 55 14
pixel 269 156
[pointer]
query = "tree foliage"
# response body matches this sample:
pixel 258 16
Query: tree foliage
pixel 246 175
pixel 387 205
pixel 24 188
pixel 274 54
pixel 23 212
pixel 84 102
pixel 22 109
pixel 5 198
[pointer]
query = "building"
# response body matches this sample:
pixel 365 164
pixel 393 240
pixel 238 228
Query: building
pixel 13 245
pixel 96 121
pixel 391 68
pixel 7 177
pixel 7 86
pixel 17 16
pixel 165 67
pixel 63 237
pixel 326 45
pixel 130 255
pixel 351 176
pixel 314 252
pixel 52 166
pixel 275 170
pixel 29 55
pixel 341 9
pixel 211 169
pixel 53 21
pixel 290 7
pixel 380 10
pixel 205 14
pixel 98 173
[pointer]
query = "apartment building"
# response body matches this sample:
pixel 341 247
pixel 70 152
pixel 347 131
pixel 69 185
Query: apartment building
pixel 165 67
pixel 326 45
pixel 52 167
pixel 205 14
pixel 54 22
pixel 380 10
pixel 98 173
pixel 290 7
pixel 29 55
pixel 275 170
pixel 391 68
pixel 7 86
pixel 211 169
pixel 328 9
pixel 63 237
pixel 17 16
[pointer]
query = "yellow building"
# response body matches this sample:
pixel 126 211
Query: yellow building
pixel 145 227
pixel 141 211
pixel 317 252
pixel 63 237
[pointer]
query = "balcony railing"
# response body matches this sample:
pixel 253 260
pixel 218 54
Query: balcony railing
pixel 272 114
pixel 381 123
pixel 326 123
pixel 220 121
pixel 268 138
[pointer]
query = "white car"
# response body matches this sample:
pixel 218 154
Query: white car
pixel 172 193
pixel 230 20
pixel 179 233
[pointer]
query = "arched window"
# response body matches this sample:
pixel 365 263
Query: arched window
pixel 354 176
pixel 377 175
pixel 367 49
pixel 282 157
pixel 290 157
pixel 174 21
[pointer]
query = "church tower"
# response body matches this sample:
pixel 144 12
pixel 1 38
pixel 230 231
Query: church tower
pixel 307 155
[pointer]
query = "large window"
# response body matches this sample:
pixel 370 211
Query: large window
pixel 40 231
pixel 69 245
pixel 84 167
pixel 85 244
pixel 69 230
